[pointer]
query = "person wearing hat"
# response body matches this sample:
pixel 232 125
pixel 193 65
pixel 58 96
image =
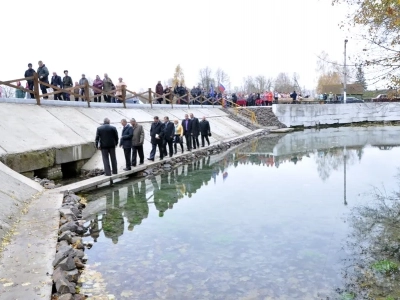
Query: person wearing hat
pixel 83 81
pixel 67 83
pixel 29 73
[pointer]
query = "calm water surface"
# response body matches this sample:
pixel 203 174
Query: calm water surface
pixel 267 221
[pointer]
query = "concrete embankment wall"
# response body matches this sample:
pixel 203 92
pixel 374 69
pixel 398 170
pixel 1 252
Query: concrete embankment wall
pixel 58 136
pixel 310 115
pixel 15 192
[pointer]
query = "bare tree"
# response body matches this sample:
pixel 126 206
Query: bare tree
pixel 262 84
pixel 222 77
pixel 249 85
pixel 8 92
pixel 206 79
pixel 283 83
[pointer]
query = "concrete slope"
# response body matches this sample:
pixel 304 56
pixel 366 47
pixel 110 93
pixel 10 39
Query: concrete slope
pixel 43 137
pixel 15 191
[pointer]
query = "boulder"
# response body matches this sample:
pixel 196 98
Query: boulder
pixel 67 264
pixel 79 253
pixel 80 230
pixel 65 212
pixel 72 275
pixel 62 253
pixel 78 263
pixel 70 226
pixel 65 236
pixel 79 297
pixel 66 297
pixel 58 274
pixel 63 286
pixel 60 244
pixel 76 239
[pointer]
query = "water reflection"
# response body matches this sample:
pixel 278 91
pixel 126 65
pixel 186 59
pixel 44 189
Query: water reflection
pixel 266 220
pixel 373 271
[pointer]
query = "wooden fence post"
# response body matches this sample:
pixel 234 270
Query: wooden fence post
pixel 87 95
pixel 36 88
pixel 124 95
pixel 150 98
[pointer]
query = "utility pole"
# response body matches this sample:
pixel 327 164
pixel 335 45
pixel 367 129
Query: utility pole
pixel 345 74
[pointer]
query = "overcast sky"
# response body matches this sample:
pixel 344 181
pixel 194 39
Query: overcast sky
pixel 143 41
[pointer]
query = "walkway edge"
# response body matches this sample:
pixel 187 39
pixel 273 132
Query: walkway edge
pixel 26 263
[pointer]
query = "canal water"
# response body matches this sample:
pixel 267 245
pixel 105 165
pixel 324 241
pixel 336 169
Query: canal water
pixel 273 219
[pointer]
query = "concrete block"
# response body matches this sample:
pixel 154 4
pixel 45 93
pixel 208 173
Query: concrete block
pixel 74 153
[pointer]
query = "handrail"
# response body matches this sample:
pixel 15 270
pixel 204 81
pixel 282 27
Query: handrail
pixel 237 107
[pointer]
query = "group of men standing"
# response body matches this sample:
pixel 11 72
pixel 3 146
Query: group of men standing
pixel 164 135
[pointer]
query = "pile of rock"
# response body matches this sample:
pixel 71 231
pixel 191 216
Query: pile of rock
pixel 264 115
pixel 46 183
pixel 242 120
pixel 70 258
pixel 92 173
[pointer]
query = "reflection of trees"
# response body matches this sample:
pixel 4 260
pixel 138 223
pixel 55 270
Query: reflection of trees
pixel 113 222
pixel 332 159
pixel 375 241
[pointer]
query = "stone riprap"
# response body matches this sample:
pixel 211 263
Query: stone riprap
pixel 70 257
pixel 264 114
pixel 59 134
pixel 315 115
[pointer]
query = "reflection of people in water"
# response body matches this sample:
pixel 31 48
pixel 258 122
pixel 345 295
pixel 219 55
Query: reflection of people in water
pixel 94 230
pixel 136 207
pixel 160 201
pixel 113 221
pixel 225 175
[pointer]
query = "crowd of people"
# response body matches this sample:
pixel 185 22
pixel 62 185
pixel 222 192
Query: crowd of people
pixel 166 136
pixel 105 88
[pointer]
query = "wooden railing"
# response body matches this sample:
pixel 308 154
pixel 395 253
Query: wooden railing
pixel 147 97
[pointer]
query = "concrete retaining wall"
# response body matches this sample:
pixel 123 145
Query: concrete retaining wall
pixel 310 115
pixel 15 192
pixel 36 137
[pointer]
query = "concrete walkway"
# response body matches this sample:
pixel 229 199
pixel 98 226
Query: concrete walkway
pixel 26 262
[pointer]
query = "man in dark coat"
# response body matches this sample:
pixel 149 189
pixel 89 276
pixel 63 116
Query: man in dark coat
pixel 169 132
pixel 67 83
pixel 156 134
pixel 126 142
pixel 29 73
pixel 294 97
pixel 56 81
pixel 43 74
pixel 195 131
pixel 107 141
pixel 205 131
pixel 187 131
pixel 159 92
